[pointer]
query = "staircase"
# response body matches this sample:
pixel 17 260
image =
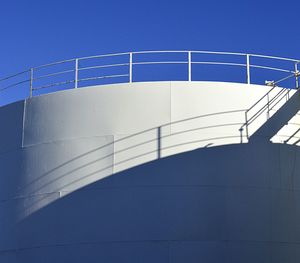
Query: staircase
pixel 272 113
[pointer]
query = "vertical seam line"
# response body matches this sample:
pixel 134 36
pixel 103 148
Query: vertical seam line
pixel 23 123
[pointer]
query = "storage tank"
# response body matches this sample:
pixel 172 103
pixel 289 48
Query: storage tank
pixel 156 156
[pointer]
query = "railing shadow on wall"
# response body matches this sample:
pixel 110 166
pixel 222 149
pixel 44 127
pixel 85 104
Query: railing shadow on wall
pixel 168 139
pixel 132 150
pixel 143 66
pixel 176 137
pixel 128 151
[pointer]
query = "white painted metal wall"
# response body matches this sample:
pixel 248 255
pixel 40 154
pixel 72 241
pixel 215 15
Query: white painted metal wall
pixel 55 144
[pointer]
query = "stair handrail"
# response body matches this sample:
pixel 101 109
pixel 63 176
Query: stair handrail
pixel 271 103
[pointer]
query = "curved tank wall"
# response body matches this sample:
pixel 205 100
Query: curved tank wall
pixel 77 185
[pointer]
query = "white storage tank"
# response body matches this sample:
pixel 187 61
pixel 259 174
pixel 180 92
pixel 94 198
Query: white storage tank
pixel 151 157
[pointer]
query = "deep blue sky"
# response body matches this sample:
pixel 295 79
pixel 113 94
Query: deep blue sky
pixel 38 32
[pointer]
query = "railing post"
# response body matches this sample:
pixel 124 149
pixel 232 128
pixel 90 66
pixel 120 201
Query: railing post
pixel 248 69
pixel 76 73
pixel 190 65
pixel 296 75
pixel 31 83
pixel 130 67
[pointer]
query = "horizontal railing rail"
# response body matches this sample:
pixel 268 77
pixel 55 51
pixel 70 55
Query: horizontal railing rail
pixel 273 97
pixel 128 67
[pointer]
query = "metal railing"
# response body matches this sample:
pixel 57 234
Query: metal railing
pixel 270 102
pixel 140 66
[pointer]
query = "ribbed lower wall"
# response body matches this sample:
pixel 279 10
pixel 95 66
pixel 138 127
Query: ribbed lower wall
pixel 235 203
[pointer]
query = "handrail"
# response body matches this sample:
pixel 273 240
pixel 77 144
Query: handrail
pixel 163 51
pixel 103 77
pixel 125 67
pixel 53 74
pixel 272 68
pixel 266 106
pixel 14 75
pixel 14 84
pixel 274 57
pixel 270 104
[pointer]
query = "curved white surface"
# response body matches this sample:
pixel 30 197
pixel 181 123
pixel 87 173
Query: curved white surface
pixel 55 144
pixel 115 127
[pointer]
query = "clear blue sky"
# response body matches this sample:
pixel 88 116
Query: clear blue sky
pixel 38 32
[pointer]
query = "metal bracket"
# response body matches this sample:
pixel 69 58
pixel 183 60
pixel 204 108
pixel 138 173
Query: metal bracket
pixel 270 83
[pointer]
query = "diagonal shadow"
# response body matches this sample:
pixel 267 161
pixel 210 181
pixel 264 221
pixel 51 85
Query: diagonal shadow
pixel 129 137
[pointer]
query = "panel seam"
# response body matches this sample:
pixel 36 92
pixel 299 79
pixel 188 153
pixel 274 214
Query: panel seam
pixel 23 123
